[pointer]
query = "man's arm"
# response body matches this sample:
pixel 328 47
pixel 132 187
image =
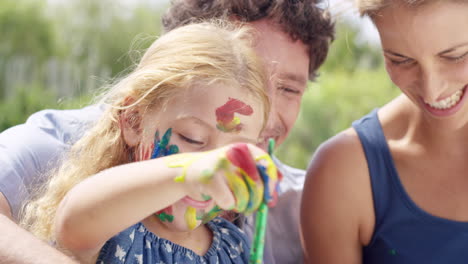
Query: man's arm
pixel 5 209
pixel 17 246
pixel 26 152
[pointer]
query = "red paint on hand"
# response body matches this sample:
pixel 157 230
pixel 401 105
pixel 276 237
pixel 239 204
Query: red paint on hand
pixel 239 155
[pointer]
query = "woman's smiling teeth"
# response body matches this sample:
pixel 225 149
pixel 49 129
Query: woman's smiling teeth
pixel 447 102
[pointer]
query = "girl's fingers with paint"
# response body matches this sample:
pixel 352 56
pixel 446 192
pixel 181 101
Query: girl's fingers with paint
pixel 201 178
pixel 256 169
pixel 232 176
pixel 248 170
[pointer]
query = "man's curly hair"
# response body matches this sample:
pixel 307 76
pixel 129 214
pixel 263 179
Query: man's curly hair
pixel 302 20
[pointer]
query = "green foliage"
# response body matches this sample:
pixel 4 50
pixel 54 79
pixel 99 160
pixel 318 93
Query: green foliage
pixel 54 55
pixel 17 19
pixel 30 99
pixel 348 55
pixel 105 30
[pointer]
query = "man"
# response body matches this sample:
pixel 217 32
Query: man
pixel 292 37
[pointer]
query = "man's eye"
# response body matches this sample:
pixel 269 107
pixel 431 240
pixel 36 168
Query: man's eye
pixel 189 140
pixel 401 62
pixel 288 90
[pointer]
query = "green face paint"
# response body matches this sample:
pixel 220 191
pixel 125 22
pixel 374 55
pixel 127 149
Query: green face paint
pixel 161 147
pixel 165 217
pixel 206 197
pixel 211 214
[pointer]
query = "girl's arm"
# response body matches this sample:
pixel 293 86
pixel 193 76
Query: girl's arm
pixel 114 199
pixel 337 209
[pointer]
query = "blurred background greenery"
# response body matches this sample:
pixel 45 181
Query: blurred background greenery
pixel 56 54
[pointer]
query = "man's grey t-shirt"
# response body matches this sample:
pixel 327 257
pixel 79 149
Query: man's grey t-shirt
pixel 29 150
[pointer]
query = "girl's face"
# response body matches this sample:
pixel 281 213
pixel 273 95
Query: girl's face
pixel 202 118
pixel 426 56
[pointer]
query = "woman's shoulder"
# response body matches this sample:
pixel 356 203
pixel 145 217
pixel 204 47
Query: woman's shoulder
pixel 343 149
pixel 339 165
pixel 338 180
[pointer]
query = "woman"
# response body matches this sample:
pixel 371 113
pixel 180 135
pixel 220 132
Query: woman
pixel 394 187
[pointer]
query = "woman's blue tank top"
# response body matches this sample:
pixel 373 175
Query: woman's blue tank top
pixel 403 233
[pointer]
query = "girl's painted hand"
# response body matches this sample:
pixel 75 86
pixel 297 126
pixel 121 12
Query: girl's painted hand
pixel 234 176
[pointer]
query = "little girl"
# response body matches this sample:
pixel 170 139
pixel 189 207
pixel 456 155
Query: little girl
pixel 120 198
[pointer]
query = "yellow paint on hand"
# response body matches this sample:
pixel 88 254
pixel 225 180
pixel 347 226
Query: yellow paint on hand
pixel 183 160
pixel 270 166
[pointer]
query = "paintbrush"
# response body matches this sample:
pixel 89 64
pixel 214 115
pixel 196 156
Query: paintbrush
pixel 258 244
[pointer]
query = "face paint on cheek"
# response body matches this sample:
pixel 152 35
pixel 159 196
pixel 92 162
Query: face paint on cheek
pixel 158 149
pixel 206 197
pixel 161 147
pixel 191 217
pixel 165 215
pixel 211 214
pixel 226 121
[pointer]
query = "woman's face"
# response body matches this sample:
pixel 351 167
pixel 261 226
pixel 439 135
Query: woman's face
pixel 426 56
pixel 202 118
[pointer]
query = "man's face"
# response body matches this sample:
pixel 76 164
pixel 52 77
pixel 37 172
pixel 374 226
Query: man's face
pixel 287 65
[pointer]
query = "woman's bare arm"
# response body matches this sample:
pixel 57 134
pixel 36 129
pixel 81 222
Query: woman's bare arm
pixel 337 208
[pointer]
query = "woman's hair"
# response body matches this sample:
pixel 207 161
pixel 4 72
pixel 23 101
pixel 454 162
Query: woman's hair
pixel 306 20
pixel 210 52
pixel 372 7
